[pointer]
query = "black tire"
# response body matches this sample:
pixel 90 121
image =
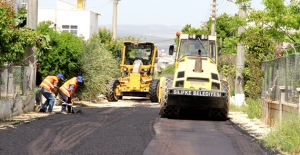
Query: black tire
pixel 167 110
pixel 110 90
pixel 153 92
pixel 221 113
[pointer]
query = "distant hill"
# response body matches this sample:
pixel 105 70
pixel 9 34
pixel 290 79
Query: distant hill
pixel 161 35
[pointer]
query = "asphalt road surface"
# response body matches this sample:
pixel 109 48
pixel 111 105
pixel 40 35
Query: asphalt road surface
pixel 126 130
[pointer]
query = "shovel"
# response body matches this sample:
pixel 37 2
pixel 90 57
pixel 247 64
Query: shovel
pixel 72 109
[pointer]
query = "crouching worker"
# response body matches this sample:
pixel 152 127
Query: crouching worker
pixel 48 85
pixel 66 93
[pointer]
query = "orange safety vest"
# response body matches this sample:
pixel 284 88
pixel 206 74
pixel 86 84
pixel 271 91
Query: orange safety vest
pixel 48 82
pixel 65 88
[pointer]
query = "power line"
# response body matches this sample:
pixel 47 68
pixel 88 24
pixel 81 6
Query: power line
pixel 102 6
pixel 207 12
pixel 220 4
pixel 224 7
pixel 105 4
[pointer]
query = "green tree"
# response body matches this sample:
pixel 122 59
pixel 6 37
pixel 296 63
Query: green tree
pixel 106 40
pixel 226 30
pixel 188 29
pixel 268 28
pixel 111 45
pixel 64 55
pixel 15 38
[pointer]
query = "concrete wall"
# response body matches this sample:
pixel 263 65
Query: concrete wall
pixel 93 23
pixel 14 107
pixel 274 111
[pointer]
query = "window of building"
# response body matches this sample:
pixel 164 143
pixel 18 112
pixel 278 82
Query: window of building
pixel 70 28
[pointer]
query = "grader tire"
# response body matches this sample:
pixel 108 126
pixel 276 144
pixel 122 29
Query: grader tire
pixel 153 92
pixel 110 90
pixel 168 111
pixel 221 113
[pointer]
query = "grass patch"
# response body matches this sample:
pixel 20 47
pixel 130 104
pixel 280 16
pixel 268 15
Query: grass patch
pixel 235 108
pixel 253 108
pixel 169 70
pixel 16 122
pixel 285 137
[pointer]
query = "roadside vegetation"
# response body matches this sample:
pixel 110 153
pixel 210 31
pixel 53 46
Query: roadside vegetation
pixel 98 66
pixel 169 70
pixel 64 54
pixel 236 108
pixel 285 136
pixel 15 38
pixel 252 108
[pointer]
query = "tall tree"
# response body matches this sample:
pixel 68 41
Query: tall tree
pixel 105 36
pixel 14 38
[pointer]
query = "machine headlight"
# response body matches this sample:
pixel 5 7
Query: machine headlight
pixel 125 69
pixel 145 69
pixel 192 36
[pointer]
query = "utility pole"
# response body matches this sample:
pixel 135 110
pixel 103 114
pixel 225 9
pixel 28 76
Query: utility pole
pixel 213 18
pixel 32 14
pixel 32 19
pixel 114 25
pixel 30 61
pixel 240 62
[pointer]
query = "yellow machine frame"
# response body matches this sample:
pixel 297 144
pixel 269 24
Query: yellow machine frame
pixel 196 83
pixel 137 72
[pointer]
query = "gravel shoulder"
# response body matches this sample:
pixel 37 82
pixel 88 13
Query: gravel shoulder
pixel 254 127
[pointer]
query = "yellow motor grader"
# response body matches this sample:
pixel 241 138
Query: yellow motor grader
pixel 137 67
pixel 196 83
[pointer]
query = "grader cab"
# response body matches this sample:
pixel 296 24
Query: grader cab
pixel 196 83
pixel 137 67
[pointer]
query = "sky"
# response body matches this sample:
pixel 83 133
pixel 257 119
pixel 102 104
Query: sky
pixel 153 12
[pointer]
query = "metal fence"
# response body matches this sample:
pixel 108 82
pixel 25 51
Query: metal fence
pixel 282 76
pixel 16 81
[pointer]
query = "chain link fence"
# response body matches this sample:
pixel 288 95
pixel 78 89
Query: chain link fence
pixel 282 76
pixel 16 81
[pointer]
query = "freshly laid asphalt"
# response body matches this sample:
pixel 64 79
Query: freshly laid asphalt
pixel 119 129
pixel 123 130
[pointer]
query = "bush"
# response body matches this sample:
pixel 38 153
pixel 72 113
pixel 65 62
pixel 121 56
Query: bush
pixel 65 53
pixel 98 66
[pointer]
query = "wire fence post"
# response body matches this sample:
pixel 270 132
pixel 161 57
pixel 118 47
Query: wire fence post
pixel 286 87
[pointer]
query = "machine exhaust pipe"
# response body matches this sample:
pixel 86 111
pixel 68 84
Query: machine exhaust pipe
pixel 198 63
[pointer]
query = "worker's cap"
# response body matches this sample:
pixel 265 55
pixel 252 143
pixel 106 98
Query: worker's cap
pixel 79 78
pixel 60 76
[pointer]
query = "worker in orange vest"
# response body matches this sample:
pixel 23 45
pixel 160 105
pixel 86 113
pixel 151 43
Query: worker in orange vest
pixel 67 90
pixel 48 85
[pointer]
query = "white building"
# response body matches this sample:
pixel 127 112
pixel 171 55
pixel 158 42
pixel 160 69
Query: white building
pixel 72 18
